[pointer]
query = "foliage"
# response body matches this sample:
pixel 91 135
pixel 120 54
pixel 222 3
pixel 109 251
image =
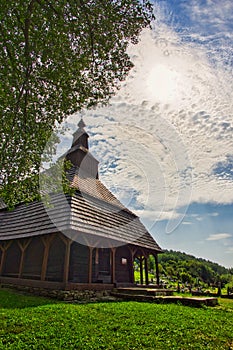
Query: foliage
pixel 35 324
pixel 188 269
pixel 57 57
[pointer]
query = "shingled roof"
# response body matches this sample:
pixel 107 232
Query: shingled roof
pixel 93 187
pixel 75 214
pixel 92 211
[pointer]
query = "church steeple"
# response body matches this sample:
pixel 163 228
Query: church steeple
pixel 80 137
pixel 79 154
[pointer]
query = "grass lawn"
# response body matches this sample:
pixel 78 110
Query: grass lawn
pixel 28 322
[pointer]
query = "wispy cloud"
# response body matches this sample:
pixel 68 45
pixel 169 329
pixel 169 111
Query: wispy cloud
pixel 210 11
pixel 213 214
pixel 187 223
pixel 218 236
pixel 169 125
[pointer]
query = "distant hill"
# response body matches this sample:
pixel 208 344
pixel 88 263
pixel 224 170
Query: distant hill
pixel 189 269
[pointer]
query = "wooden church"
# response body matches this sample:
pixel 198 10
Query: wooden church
pixel 86 239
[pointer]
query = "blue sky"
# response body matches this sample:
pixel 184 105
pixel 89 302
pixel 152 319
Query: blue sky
pixel 165 141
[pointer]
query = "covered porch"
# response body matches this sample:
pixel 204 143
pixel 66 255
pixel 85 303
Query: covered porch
pixel 56 258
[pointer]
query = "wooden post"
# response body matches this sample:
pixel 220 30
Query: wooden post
pixel 23 246
pixel 90 265
pixel 67 260
pixel 113 265
pixel 2 259
pixel 132 251
pixel 146 271
pixel 141 269
pixel 47 241
pixel 4 248
pixel 156 269
pixel 21 263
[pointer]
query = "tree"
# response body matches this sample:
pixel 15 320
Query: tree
pixel 57 57
pixel 186 277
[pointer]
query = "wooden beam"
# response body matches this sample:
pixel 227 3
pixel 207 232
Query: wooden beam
pixel 132 252
pixel 21 263
pixel 90 265
pixel 156 268
pixel 45 262
pixel 113 265
pixel 67 260
pixel 4 248
pixel 146 271
pixel 141 269
pixel 23 246
pixel 47 241
pixel 2 258
pixel 2 261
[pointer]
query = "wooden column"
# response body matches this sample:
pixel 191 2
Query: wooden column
pixel 2 259
pixel 96 264
pixel 113 265
pixel 146 271
pixel 156 269
pixel 132 252
pixel 23 246
pixel 141 269
pixel 4 248
pixel 47 241
pixel 90 265
pixel 67 260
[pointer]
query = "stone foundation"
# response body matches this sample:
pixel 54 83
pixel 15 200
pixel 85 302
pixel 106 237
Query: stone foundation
pixel 64 295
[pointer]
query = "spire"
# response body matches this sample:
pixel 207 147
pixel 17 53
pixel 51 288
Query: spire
pixel 81 123
pixel 80 137
pixel 79 154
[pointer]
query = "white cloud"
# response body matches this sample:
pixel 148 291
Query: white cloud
pixel 167 127
pixel 200 218
pixel 173 138
pixel 218 236
pixel 213 214
pixel 212 14
pixel 210 22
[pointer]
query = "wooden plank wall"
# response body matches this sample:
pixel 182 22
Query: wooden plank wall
pixel 33 259
pixel 12 260
pixel 79 258
pixel 123 271
pixel 56 259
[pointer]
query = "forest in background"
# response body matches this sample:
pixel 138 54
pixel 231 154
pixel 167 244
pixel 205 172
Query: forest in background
pixel 176 267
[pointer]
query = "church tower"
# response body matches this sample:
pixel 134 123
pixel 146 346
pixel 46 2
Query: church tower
pixel 79 154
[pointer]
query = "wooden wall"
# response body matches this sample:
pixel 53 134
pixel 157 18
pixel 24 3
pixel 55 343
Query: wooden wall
pixel 104 261
pixel 123 270
pixel 79 259
pixel 56 258
pixel 33 259
pixel 12 260
pixel 85 161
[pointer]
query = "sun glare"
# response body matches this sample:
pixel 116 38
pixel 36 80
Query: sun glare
pixel 164 84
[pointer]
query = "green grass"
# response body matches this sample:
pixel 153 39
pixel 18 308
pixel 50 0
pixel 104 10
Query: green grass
pixel 28 322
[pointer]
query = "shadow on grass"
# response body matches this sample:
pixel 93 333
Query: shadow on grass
pixel 15 300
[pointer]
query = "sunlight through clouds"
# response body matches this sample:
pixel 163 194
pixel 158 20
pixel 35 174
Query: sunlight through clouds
pixel 165 140
pixel 172 86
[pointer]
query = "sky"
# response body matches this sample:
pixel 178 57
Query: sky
pixel 165 141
